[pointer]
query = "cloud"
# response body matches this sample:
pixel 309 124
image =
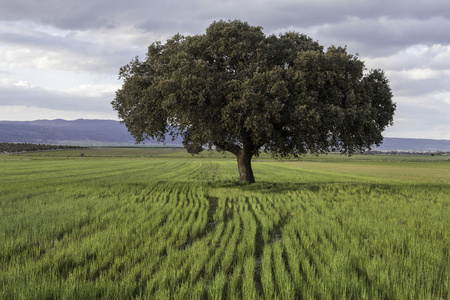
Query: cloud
pixel 30 113
pixel 64 56
pixel 423 116
pixel 84 98
pixel 436 57
pixel 61 14
pixel 98 14
pixel 385 35
pixel 36 48
pixel 193 16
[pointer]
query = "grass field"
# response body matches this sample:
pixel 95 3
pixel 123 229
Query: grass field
pixel 161 224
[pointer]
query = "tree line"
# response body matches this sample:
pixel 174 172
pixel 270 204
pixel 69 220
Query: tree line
pixel 25 147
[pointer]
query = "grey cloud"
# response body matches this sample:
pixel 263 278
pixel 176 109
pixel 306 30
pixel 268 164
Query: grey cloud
pixel 169 17
pixel 69 52
pixel 166 15
pixel 307 14
pixel 37 39
pixel 61 14
pixel 42 98
pixel 371 28
pixel 423 117
pixel 408 88
pixel 167 27
pixel 436 57
pixel 347 22
pixel 421 9
pixel 95 14
pixel 107 34
pixel 384 36
pixel 272 16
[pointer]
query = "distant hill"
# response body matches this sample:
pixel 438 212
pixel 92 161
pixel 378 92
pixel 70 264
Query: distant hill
pixel 78 132
pixel 414 145
pixel 83 132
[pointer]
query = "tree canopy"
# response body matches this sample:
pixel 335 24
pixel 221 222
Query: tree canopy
pixel 238 90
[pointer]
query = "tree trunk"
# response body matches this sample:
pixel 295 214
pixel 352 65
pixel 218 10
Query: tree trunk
pixel 244 160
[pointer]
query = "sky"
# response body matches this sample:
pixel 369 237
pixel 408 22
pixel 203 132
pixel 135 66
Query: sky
pixel 61 58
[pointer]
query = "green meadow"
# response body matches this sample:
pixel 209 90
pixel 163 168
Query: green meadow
pixel 158 223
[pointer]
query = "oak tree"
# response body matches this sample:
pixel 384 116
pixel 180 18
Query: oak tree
pixel 235 89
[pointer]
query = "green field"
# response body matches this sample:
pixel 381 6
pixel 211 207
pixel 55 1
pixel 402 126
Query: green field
pixel 162 224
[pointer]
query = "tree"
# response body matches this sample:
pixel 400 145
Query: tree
pixel 192 148
pixel 238 90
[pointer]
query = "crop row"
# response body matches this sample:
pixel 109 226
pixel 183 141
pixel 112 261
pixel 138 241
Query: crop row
pixel 123 230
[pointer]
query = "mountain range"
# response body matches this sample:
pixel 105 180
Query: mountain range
pixel 83 132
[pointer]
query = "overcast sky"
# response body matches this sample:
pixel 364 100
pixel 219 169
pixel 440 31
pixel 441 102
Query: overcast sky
pixel 60 58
